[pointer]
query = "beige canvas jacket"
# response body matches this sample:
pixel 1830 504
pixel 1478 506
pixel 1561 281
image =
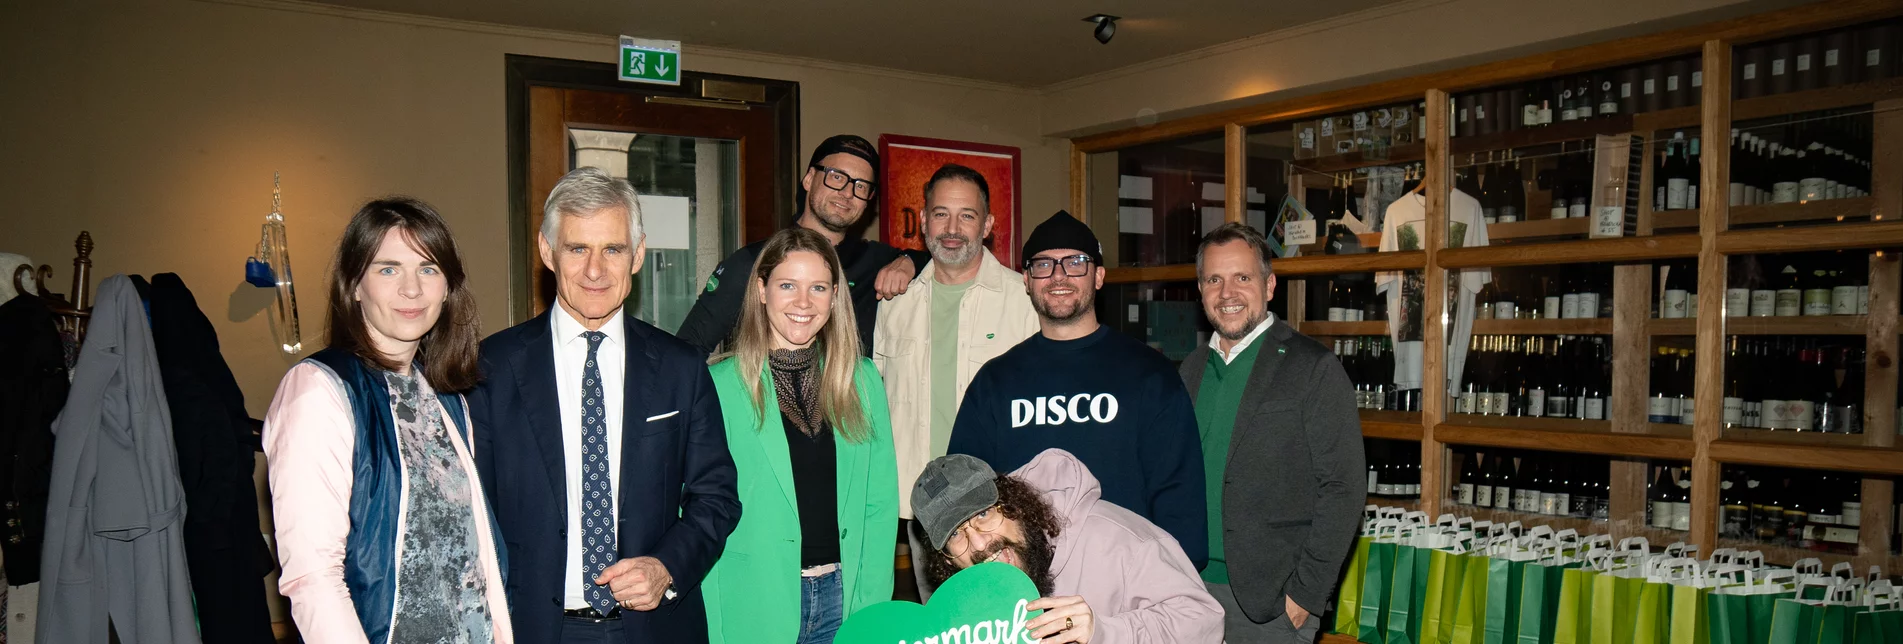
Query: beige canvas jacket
pixel 994 316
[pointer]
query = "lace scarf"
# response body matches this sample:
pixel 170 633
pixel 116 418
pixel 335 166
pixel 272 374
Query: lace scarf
pixel 796 378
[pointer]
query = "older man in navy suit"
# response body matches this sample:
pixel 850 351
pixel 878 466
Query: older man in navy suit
pixel 600 444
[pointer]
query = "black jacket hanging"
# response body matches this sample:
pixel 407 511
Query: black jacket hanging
pixel 33 384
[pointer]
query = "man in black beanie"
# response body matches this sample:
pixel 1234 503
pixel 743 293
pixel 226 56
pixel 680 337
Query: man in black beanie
pixel 1112 401
pixel 841 180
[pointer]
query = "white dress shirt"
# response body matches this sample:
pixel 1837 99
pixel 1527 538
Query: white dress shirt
pixel 1215 341
pixel 571 355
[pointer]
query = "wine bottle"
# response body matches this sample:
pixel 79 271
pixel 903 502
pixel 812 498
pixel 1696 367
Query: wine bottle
pixel 1591 403
pixel 1796 514
pixel 1734 385
pixel 1483 486
pixel 1767 511
pixel 1560 482
pixel 1677 291
pixel 1463 491
pixel 1684 369
pixel 1505 495
pixel 1662 407
pixel 1843 404
pixel 1682 500
pixel 1513 191
pixel 1693 158
pixel 1844 293
pixel 1790 292
pixel 1569 294
pixel 1659 499
pixel 1734 513
pixel 1677 179
pixel 1800 409
pixel 1817 291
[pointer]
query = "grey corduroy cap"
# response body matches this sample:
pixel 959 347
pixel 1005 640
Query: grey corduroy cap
pixel 952 488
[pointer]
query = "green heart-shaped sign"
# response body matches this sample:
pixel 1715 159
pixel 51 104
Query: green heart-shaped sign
pixel 983 603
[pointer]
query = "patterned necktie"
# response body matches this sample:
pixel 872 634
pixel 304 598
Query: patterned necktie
pixel 597 490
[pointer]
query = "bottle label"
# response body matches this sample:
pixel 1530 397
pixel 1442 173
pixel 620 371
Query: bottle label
pixel 1873 58
pixel 1576 209
pixel 1691 197
pixel 1502 497
pixel 1785 192
pixel 1530 115
pixel 1844 419
pixel 1802 414
pixel 1698 79
pixel 1648 87
pixel 1569 306
pixel 1625 90
pixel 1386 489
pixel 1661 409
pixel 1661 514
pixel 1681 516
pixel 1466 494
pixel 1844 300
pixel 1585 110
pixel 1803 62
pixel 1608 106
pixel 1595 408
pixel 1480 112
pixel 1502 403
pixel 1468 402
pixel 1328 127
pixel 1535 401
pixel 1559 209
pixel 1558 406
pixel 1737 302
pixel 1777 67
pixel 1675 303
pixel 1830 58
pixel 1552 308
pixel 1685 408
pixel 1671 83
pixel 1546 115
pixel 1863 303
pixel 1790 302
pixel 1773 414
pixel 1675 190
pixel 1374 486
pixel 1750 71
pixel 1337 314
pixel 1812 189
pixel 1549 503
pixel 1509 214
pixel 1360 121
pixel 1734 411
pixel 1483 404
pixel 1816 301
pixel 1483 495
pixel 1588 305
pixel 1737 194
pixel 1763 303
pixel 1658 197
pixel 1569 114
pixel 1463 115
pixel 1753 414
pixel 1504 310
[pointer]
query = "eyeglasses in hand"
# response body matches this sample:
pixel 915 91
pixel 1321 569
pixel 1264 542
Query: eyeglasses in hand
pixel 1043 267
pixel 837 179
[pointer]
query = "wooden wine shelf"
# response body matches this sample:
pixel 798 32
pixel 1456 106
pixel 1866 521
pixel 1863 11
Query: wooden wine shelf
pixel 1391 425
pixel 1323 328
pixel 1547 135
pixel 1880 461
pixel 1559 435
pixel 1586 326
pixel 1885 234
pixel 1135 274
pixel 1746 109
pixel 1782 325
pixel 1537 229
pixel 1623 249
pixel 1308 265
pixel 1781 437
pixel 1332 163
pixel 1859 209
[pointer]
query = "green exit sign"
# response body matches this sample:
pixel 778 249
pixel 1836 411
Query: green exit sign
pixel 650 61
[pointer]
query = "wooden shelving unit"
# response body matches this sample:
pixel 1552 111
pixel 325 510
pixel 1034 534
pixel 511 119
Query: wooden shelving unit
pixel 1708 235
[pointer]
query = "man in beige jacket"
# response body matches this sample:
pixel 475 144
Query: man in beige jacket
pixel 961 311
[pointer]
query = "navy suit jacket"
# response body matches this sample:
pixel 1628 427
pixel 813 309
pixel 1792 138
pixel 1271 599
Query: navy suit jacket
pixel 677 494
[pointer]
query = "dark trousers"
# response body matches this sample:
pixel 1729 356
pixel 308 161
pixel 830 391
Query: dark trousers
pixel 579 630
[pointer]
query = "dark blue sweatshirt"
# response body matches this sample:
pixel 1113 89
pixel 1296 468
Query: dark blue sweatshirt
pixel 1116 404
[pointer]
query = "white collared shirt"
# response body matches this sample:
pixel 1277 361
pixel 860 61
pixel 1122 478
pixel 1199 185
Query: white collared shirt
pixel 1215 341
pixel 571 356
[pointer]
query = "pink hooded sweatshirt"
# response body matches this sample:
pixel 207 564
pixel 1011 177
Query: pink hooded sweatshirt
pixel 1136 579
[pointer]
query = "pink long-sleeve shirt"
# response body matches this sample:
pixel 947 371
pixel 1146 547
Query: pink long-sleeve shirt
pixel 309 439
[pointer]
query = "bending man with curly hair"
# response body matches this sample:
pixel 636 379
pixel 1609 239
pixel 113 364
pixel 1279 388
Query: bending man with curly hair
pixel 1107 576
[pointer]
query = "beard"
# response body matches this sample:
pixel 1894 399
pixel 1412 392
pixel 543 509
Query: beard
pixel 1078 308
pixel 959 256
pixel 1248 324
pixel 1036 553
pixel 823 212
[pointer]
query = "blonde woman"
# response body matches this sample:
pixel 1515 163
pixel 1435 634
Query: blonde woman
pixel 807 424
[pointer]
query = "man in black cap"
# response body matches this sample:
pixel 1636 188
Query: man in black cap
pixel 841 179
pixel 1115 403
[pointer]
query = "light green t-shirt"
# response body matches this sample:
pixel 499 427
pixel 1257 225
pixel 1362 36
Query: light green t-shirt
pixel 945 300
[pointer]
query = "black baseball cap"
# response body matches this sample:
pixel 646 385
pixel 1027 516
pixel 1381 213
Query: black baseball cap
pixel 1063 231
pixel 952 489
pixel 852 144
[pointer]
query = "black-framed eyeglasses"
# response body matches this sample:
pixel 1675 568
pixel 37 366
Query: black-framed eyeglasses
pixel 837 179
pixel 1043 267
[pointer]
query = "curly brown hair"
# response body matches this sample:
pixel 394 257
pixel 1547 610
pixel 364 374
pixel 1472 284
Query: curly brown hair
pixel 1040 522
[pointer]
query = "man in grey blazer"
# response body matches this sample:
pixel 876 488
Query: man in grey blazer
pixel 1277 400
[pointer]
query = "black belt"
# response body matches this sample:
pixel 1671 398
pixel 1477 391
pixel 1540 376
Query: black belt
pixel 591 613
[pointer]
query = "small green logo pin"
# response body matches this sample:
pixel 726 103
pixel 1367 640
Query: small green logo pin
pixel 1281 349
pixel 989 336
pixel 713 282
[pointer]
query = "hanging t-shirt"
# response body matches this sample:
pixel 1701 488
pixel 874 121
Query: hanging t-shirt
pixel 1404 231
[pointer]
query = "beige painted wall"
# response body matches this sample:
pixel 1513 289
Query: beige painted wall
pixel 156 124
pixel 1408 37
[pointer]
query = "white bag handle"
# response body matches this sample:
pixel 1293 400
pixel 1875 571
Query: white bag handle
pixel 1635 544
pixel 1754 558
pixel 1537 531
pixel 1809 566
pixel 1723 555
pixel 1779 577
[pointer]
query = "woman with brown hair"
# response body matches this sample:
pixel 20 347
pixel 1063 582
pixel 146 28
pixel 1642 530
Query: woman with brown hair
pixel 807 425
pixel 382 529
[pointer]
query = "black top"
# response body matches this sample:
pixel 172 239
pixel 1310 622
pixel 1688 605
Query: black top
pixel 717 312
pixel 816 485
pixel 1113 402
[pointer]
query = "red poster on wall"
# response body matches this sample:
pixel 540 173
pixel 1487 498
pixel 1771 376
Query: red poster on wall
pixel 909 162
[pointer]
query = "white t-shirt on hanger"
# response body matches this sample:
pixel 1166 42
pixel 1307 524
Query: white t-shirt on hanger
pixel 1403 231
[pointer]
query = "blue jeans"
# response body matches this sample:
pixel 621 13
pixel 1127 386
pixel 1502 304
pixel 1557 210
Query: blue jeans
pixel 822 608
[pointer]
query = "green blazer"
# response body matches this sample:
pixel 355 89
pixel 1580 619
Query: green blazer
pixel 753 592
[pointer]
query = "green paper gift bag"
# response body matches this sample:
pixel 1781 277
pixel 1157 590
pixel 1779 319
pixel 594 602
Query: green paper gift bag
pixel 1539 602
pixel 1348 599
pixel 1502 606
pixel 1742 614
pixel 1445 577
pixel 1794 621
pixel 1689 616
pixel 1376 586
pixel 1403 620
pixel 1574 622
pixel 1470 611
pixel 1883 626
pixel 1652 613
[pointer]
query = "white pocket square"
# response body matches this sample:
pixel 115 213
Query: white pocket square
pixel 661 416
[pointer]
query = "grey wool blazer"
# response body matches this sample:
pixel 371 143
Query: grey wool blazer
pixel 1296 480
pixel 115 517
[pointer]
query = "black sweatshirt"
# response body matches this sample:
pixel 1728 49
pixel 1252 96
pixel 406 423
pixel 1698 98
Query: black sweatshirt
pixel 717 312
pixel 1115 403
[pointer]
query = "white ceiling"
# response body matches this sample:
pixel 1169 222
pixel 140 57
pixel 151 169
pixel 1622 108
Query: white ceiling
pixel 1028 43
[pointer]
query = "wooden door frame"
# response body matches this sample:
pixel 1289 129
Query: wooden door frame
pixel 523 72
